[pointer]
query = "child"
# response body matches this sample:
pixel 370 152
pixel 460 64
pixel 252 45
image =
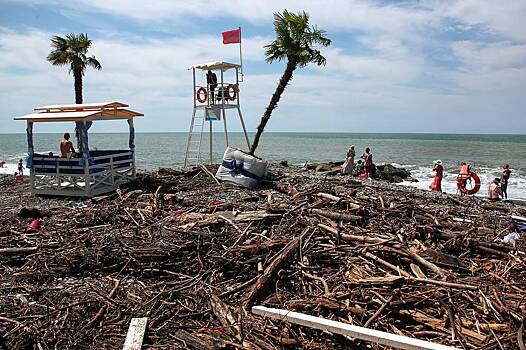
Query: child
pixel 504 177
pixel 20 168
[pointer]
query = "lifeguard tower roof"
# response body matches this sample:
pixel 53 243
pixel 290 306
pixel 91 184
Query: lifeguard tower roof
pixel 80 112
pixel 215 66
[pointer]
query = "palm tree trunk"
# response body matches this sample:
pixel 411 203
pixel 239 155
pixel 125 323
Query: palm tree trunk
pixel 77 75
pixel 283 82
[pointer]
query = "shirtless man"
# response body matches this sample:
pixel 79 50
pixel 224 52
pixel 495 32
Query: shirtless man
pixel 66 146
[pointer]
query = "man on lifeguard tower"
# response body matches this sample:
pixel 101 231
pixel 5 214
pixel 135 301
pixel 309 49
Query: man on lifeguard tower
pixel 66 146
pixel 211 80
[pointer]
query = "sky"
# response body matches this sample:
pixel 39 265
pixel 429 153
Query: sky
pixel 393 66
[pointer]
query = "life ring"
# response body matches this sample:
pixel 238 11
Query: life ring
pixel 231 92
pixel 200 91
pixel 463 189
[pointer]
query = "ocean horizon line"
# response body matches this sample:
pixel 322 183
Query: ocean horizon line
pixel 291 132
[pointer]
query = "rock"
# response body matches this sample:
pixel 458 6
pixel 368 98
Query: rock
pixel 397 179
pixel 390 173
pixel 30 213
pixel 284 163
pixel 323 167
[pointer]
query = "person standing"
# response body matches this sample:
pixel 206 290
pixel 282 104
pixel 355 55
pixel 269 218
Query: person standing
pixel 439 172
pixel 348 166
pixel 66 146
pixel 211 80
pixel 367 157
pixel 21 168
pixel 494 190
pixel 504 177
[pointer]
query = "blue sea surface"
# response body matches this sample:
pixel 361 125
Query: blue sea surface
pixel 486 153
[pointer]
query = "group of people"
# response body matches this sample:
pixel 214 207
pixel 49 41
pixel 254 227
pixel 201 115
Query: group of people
pixel 497 189
pixel 363 168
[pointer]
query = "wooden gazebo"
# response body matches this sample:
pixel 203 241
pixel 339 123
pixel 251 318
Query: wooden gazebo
pixel 86 173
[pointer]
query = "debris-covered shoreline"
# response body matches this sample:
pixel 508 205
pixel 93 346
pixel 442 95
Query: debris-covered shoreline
pixel 193 255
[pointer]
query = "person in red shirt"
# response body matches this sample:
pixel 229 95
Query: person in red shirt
pixel 439 173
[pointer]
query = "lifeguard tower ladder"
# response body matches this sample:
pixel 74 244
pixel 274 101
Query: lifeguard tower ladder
pixel 209 106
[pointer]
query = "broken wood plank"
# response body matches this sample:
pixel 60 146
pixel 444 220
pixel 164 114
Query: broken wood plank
pixel 135 336
pixel 283 257
pixel 384 338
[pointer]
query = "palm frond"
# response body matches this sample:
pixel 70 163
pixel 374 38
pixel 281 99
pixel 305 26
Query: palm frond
pixel 296 39
pixel 72 50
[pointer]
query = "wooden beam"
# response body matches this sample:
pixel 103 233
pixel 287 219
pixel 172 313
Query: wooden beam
pixel 384 338
pixel 135 335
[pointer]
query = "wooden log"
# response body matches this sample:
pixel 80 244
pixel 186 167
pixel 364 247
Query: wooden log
pixel 16 250
pixel 328 197
pixel 384 338
pixel 335 215
pixel 201 342
pixel 282 258
pixel 439 324
pixel 379 311
pixel 413 254
pixel 380 281
pixel 225 316
pixel 258 247
pixel 333 305
pixel 387 264
pixel 443 284
pixel 417 271
pixel 135 336
pixel 103 308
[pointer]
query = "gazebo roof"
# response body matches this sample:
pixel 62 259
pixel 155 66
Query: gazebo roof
pixel 80 112
pixel 220 65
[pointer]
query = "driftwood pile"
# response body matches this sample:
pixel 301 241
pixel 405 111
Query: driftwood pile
pixel 193 256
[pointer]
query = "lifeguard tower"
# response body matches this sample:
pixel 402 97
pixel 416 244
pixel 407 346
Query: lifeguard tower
pixel 210 105
pixel 86 173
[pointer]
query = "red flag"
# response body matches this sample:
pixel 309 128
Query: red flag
pixel 232 36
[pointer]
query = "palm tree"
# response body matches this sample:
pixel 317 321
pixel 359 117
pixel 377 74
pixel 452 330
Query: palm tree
pixel 72 51
pixel 294 42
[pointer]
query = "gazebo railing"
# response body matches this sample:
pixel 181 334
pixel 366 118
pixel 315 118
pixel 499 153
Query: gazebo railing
pixel 104 171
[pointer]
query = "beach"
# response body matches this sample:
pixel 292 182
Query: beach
pixel 415 152
pixel 193 256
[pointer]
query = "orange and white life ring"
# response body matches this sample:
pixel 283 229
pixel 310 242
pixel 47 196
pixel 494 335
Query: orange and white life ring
pixel 201 91
pixel 231 92
pixel 461 184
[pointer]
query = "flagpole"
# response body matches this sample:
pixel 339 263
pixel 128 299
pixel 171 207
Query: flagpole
pixel 240 54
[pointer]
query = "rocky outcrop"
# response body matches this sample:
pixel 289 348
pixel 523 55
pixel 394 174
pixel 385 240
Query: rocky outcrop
pixel 390 173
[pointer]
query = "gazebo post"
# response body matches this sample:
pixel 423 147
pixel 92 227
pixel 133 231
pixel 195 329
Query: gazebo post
pixel 84 148
pixel 30 151
pixel 131 144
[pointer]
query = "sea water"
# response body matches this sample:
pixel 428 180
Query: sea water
pixel 416 152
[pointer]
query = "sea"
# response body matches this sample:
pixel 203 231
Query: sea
pixel 416 152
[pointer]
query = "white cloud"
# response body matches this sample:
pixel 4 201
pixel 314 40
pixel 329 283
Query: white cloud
pixel 487 56
pixel 385 87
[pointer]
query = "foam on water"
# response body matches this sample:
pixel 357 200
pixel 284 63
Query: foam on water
pixel 425 176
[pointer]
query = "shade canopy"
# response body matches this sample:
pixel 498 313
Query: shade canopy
pixel 80 112
pixel 215 66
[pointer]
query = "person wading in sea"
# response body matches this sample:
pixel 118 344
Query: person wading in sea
pixel 504 177
pixel 439 171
